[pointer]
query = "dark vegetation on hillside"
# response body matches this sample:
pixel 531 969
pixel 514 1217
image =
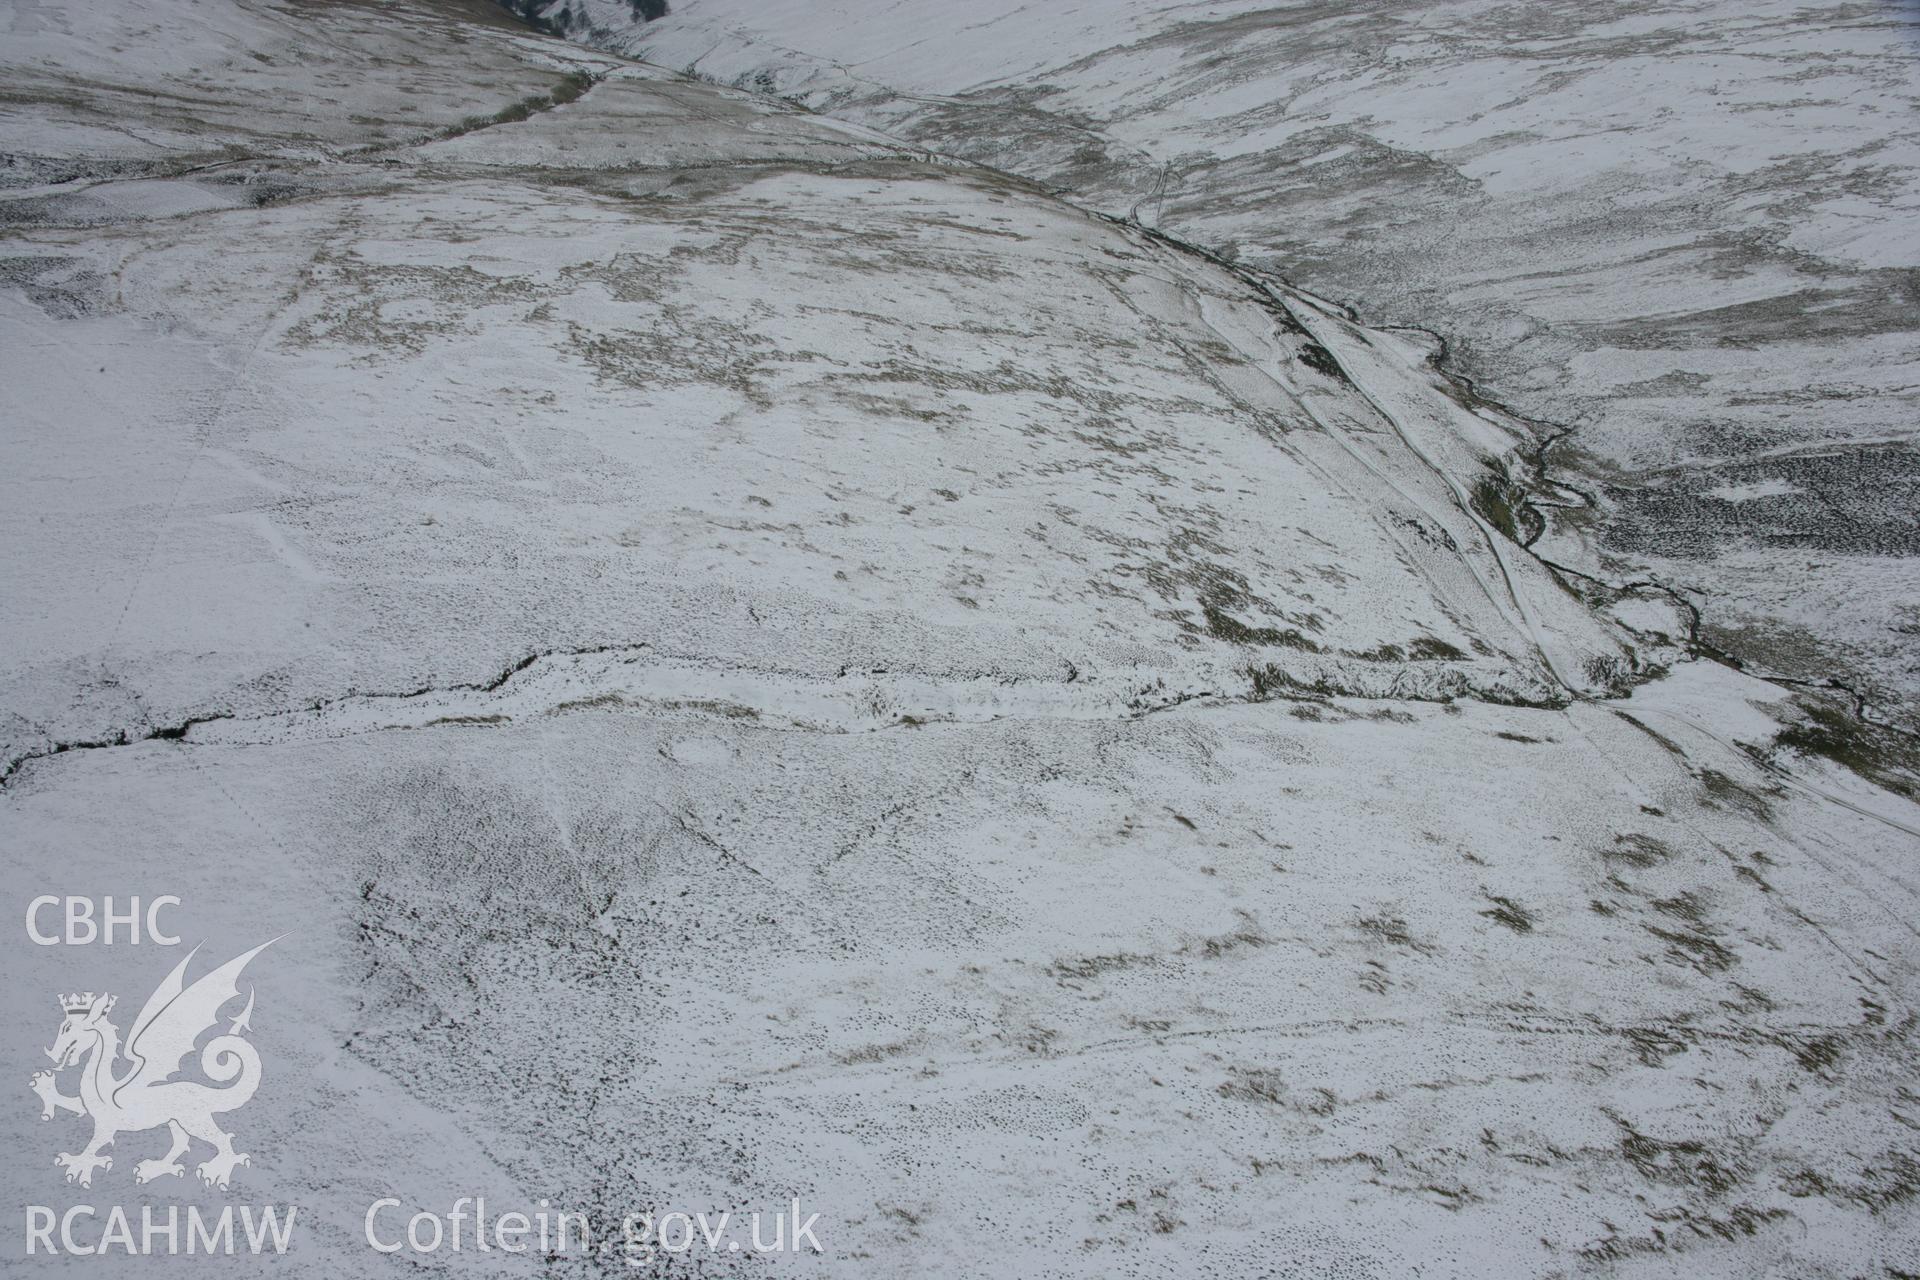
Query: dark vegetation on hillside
pixel 562 19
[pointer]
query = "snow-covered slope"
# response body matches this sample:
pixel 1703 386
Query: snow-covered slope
pixel 1685 230
pixel 753 662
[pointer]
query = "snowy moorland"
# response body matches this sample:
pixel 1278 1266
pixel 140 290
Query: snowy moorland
pixel 751 660
pixel 1679 235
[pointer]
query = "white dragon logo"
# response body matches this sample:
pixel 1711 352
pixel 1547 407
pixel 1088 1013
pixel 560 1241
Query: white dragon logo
pixel 146 1095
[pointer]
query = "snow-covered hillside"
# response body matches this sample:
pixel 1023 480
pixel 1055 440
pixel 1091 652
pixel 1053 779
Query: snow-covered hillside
pixel 1686 231
pixel 751 661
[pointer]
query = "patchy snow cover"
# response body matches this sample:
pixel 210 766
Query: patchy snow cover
pixel 1686 229
pixel 754 663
